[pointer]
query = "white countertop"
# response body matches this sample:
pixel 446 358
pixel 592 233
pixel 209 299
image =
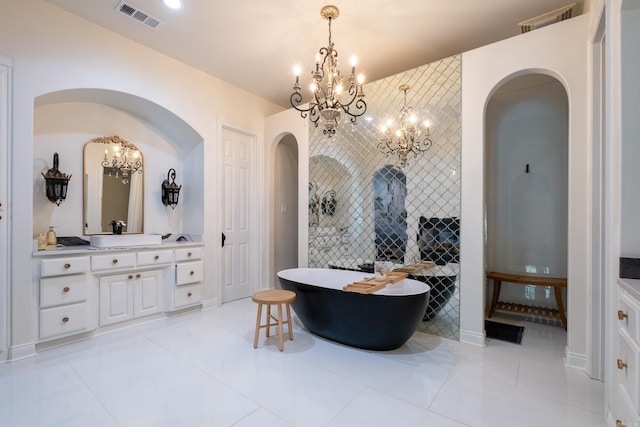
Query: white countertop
pixel 77 250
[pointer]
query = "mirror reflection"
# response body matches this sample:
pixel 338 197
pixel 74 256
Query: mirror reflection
pixel 390 208
pixel 113 186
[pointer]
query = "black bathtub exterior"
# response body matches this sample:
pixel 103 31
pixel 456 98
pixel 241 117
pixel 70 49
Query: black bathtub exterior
pixel 372 322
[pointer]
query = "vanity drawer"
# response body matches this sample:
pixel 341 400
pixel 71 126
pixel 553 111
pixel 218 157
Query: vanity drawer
pixel 188 272
pixel 155 257
pixel 63 290
pixel 60 266
pixel 628 363
pixel 113 261
pixel 628 309
pixel 188 254
pixel 188 295
pixel 64 320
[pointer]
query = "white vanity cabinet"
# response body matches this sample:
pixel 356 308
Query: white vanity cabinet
pixel 82 290
pixel 130 295
pixel 186 289
pixel 64 303
pixel 627 356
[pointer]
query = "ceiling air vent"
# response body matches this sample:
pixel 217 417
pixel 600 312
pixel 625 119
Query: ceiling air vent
pixel 135 13
pixel 548 18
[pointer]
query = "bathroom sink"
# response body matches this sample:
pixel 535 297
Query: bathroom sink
pixel 120 240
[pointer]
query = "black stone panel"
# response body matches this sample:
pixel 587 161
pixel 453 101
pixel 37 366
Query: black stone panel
pixel 630 268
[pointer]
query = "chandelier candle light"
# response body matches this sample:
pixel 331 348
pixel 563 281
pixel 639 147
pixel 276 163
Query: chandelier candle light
pixel 327 102
pixel 407 138
pixel 126 159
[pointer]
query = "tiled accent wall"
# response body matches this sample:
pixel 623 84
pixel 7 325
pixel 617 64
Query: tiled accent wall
pixel 347 163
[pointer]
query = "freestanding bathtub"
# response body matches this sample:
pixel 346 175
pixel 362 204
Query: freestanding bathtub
pixel 384 320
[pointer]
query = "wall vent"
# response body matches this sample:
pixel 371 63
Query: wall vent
pixel 135 13
pixel 548 18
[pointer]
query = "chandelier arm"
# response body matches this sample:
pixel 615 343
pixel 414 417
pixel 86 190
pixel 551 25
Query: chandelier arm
pixel 387 146
pixel 315 116
pixel 296 99
pixel 423 145
pixel 359 108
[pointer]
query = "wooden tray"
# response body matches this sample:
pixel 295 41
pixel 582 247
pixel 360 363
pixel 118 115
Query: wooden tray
pixel 416 268
pixel 370 286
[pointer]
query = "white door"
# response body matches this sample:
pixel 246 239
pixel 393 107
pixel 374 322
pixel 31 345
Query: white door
pixel 116 298
pixel 147 293
pixel 4 202
pixel 239 253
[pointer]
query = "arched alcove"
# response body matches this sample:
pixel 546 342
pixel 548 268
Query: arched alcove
pixel 65 120
pixel 285 205
pixel 526 184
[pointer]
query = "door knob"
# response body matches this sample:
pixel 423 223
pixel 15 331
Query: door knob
pixel 621 364
pixel 223 239
pixel 622 315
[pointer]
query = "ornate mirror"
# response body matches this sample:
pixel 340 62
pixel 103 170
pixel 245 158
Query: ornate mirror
pixel 113 186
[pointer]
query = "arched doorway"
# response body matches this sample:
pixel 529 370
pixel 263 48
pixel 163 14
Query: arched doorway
pixel 526 186
pixel 285 206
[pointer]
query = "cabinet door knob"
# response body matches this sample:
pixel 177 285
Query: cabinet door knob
pixel 130 276
pixel 138 276
pixel 66 289
pixel 189 294
pixel 115 261
pixel 621 364
pixel 619 423
pixel 67 266
pixel 65 319
pixel 191 273
pixel 189 254
pixel 157 257
pixel 622 315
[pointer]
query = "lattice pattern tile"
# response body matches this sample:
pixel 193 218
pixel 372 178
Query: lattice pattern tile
pixel 386 212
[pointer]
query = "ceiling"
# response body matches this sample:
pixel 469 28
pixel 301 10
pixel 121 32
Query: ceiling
pixel 254 44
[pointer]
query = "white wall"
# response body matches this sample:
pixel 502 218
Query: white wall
pixel 54 51
pixel 630 130
pixel 559 50
pixel 621 116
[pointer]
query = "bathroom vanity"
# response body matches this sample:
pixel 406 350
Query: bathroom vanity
pixel 627 354
pixel 81 291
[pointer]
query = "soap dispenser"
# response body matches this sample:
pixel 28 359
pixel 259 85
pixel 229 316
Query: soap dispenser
pixel 51 236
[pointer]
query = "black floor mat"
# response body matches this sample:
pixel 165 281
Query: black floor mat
pixel 503 331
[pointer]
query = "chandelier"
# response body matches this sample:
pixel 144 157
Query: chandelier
pixel 329 98
pixel 125 158
pixel 407 138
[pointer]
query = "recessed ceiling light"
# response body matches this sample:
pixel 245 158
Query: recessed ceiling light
pixel 173 4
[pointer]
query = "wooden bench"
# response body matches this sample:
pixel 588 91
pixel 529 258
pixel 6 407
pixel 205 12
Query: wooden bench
pixel 557 282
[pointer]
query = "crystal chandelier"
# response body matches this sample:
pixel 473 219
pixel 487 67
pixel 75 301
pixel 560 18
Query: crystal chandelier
pixel 125 159
pixel 329 99
pixel 407 138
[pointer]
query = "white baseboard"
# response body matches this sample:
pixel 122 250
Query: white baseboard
pixel 575 360
pixel 210 303
pixel 21 351
pixel 473 338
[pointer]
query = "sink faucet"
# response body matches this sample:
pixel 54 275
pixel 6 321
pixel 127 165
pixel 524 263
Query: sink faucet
pixel 116 226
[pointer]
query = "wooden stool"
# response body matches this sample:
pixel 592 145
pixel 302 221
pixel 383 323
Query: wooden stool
pixel 273 297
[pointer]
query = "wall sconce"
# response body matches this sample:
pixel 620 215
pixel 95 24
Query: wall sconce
pixel 56 183
pixel 170 190
pixel 329 203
